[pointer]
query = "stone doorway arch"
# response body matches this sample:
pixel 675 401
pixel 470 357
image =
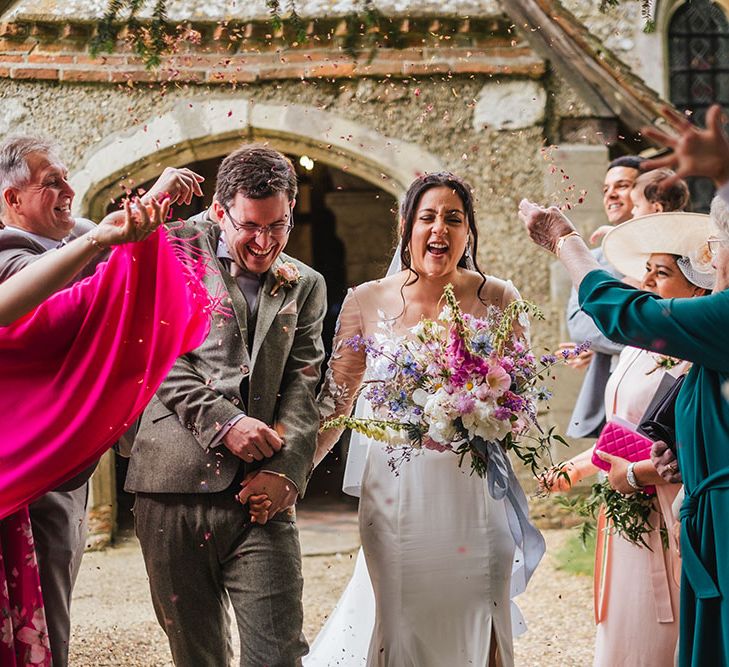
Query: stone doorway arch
pixel 200 128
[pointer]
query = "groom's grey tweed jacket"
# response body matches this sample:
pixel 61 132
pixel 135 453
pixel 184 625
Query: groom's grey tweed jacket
pixel 274 382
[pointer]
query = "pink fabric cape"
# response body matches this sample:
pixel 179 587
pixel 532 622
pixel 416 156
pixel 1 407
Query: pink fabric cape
pixel 77 371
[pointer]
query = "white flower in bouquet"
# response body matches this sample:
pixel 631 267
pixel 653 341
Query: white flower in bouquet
pixel 483 423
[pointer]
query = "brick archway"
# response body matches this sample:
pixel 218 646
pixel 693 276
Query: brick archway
pixel 200 128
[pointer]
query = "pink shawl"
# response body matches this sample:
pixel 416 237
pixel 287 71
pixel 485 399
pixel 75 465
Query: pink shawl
pixel 76 372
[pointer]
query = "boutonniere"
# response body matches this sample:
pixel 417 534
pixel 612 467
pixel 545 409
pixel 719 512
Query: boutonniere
pixel 287 275
pixel 663 361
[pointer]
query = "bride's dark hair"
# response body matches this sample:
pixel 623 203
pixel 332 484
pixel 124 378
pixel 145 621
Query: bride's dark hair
pixel 409 207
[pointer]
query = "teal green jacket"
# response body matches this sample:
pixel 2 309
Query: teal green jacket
pixel 696 330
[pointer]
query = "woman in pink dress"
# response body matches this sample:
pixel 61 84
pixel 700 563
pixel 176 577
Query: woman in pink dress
pixel 76 368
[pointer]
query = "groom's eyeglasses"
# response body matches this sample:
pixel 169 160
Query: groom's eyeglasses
pixel 277 230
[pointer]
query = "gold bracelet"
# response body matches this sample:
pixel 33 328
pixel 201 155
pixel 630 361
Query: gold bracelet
pixel 95 242
pixel 562 239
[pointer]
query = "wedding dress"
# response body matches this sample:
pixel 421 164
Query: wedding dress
pixel 433 582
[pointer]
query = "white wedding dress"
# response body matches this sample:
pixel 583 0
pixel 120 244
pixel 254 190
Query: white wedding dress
pixel 434 586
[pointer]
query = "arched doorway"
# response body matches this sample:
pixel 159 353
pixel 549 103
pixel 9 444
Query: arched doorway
pixel 350 178
pixel 344 227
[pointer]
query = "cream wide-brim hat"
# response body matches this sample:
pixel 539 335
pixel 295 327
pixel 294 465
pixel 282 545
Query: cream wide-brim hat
pixel 628 246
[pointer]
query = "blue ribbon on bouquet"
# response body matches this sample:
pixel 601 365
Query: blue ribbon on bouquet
pixel 503 485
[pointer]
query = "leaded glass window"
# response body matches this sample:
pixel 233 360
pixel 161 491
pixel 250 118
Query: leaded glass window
pixel 698 50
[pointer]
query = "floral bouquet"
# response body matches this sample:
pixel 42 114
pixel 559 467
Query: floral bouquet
pixel 460 384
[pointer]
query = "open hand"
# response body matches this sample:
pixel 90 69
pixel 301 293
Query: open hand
pixel 180 184
pixel 597 236
pixel 277 490
pixel 544 225
pixel 252 440
pixel 135 223
pixel 557 478
pixel 696 152
pixel 579 362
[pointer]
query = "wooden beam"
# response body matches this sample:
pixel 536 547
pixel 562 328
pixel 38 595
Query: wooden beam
pixel 606 84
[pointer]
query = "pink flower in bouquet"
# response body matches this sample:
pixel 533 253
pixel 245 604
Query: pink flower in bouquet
pixel 507 363
pixel 496 382
pixel 463 363
pixel 465 403
pixel 429 443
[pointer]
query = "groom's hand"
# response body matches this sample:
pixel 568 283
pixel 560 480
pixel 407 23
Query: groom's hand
pixel 279 490
pixel 251 440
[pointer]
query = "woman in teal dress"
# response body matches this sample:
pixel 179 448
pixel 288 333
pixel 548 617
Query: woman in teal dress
pixel 696 330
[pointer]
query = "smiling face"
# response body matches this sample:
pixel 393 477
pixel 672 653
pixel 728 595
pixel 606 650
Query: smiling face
pixel 43 204
pixel 663 277
pixel 440 232
pixel 255 251
pixel 616 194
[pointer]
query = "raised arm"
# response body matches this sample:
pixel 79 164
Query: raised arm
pixel 32 285
pixel 691 329
pixel 344 376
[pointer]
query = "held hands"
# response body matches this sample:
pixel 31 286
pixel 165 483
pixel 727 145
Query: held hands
pixel 179 184
pixel 135 223
pixel 665 463
pixel 251 440
pixel 267 493
pixel 696 152
pixel 544 225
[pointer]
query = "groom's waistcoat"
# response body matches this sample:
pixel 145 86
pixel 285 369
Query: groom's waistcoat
pixel 273 381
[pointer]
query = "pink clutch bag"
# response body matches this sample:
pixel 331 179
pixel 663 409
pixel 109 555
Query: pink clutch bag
pixel 618 438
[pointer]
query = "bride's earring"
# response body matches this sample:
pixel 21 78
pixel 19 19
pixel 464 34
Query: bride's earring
pixel 467 254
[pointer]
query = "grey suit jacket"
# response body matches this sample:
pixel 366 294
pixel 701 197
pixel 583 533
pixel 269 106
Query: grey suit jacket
pixel 172 452
pixel 588 415
pixel 18 251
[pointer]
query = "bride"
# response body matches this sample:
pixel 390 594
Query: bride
pixel 438 547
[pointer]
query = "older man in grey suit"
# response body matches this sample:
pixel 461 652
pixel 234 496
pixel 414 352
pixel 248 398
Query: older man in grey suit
pixel 35 205
pixel 238 411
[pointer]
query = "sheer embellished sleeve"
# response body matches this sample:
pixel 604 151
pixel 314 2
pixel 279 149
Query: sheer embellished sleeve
pixel 344 376
pixel 521 325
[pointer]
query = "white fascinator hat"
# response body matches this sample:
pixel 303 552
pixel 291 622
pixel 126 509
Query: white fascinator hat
pixel 629 245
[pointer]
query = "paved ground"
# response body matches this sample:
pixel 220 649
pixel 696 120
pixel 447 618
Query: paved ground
pixel 114 623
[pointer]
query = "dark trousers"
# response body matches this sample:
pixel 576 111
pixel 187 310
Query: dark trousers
pixel 59 527
pixel 201 551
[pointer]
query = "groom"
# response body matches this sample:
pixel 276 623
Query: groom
pixel 239 409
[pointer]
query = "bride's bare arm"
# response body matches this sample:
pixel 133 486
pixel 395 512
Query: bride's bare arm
pixel 344 375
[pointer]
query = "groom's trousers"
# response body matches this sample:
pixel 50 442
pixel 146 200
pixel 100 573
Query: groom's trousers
pixel 200 551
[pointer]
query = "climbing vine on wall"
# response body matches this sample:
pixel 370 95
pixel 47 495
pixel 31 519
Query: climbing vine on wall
pixel 151 39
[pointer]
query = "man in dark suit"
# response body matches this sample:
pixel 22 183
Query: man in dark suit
pixel 240 409
pixel 35 206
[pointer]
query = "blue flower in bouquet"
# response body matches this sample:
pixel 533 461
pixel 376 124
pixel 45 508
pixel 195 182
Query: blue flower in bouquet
pixel 482 344
pixel 410 366
pixel 543 394
pixel 398 403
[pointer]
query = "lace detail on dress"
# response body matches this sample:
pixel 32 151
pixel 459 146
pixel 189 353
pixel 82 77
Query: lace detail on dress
pixel 345 373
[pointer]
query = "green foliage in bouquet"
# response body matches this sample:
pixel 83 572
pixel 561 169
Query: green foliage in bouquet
pixel 628 515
